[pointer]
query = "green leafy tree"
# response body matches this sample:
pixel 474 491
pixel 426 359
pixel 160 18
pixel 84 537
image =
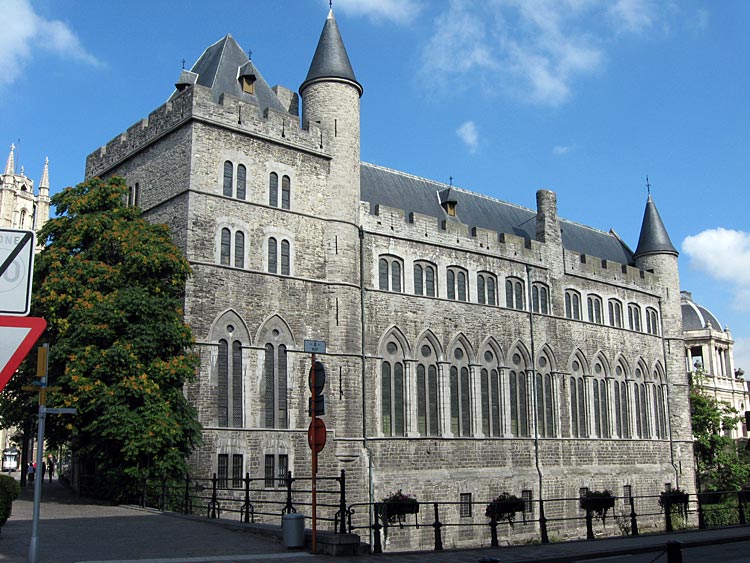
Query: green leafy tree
pixel 111 287
pixel 719 464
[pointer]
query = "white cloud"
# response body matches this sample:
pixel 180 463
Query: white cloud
pixel 724 255
pixel 468 133
pixel 397 11
pixel 24 31
pixel 536 49
pixel 560 150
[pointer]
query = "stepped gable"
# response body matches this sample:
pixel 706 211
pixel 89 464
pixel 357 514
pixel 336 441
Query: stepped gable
pixel 696 317
pixel 218 68
pixel 390 188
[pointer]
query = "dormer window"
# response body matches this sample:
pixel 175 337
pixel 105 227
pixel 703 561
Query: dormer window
pixel 448 202
pixel 450 208
pixel 248 83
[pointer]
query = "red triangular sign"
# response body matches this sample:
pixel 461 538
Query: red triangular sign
pixel 17 337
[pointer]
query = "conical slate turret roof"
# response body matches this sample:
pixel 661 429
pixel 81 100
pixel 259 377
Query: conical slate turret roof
pixel 330 60
pixel 10 165
pixel 654 238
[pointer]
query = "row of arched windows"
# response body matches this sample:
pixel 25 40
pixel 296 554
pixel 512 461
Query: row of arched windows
pixel 234 184
pixel 391 278
pixel 463 396
pixel 232 252
pixel 596 312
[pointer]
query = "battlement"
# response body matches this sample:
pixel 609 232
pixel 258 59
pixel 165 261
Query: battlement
pixel 416 227
pixel 196 102
pixel 432 230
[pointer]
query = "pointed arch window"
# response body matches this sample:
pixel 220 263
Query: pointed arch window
pixel 519 397
pixel 460 394
pixel 491 395
pixel 228 334
pixel 601 401
pixel 544 399
pixel 578 416
pixel 275 386
pixel 392 389
pixel 428 417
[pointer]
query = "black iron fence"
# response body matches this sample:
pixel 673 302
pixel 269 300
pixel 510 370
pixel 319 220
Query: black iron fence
pixel 252 500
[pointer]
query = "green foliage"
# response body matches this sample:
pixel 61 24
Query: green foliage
pixel 598 502
pixel 111 287
pixel 719 465
pixel 9 491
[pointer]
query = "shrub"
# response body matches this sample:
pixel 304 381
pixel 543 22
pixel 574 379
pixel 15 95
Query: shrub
pixel 598 502
pixel 505 507
pixel 9 491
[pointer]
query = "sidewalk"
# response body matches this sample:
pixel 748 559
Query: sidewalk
pixel 75 530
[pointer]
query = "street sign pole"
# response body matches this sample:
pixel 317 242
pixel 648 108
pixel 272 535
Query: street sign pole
pixel 314 464
pixel 41 367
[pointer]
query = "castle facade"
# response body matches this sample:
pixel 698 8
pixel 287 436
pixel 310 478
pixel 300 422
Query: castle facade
pixel 473 346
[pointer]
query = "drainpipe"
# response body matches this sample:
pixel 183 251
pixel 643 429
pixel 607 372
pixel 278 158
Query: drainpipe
pixel 363 359
pixel 666 377
pixel 535 415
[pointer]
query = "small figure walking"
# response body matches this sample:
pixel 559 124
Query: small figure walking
pixel 51 468
pixel 30 471
pixel 44 470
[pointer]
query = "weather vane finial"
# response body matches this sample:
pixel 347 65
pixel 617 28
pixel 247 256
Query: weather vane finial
pixel 250 54
pixel 648 186
pixel 450 179
pixel 330 4
pixel 183 64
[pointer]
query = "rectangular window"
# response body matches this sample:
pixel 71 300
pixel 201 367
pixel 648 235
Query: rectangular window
pixel 527 495
pixel 582 492
pixel 269 470
pixel 223 471
pixel 464 508
pixel 283 468
pixel 627 492
pixel 237 471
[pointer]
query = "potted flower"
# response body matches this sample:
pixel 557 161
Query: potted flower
pixel 9 491
pixel 597 502
pixel 672 497
pixel 396 505
pixel 505 507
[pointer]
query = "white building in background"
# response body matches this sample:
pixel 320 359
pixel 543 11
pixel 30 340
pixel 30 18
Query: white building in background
pixel 20 207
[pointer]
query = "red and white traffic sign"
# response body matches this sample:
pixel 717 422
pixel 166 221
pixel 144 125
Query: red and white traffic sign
pixel 17 337
pixel 16 271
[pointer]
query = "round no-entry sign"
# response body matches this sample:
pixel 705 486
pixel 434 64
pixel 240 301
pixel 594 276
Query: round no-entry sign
pixel 316 434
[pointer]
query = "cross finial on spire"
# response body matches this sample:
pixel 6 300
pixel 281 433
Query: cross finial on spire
pixel 648 186
pixel 183 64
pixel 250 54
pixel 330 4
pixel 450 180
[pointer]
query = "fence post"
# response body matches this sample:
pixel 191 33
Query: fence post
pixel 741 509
pixel 289 508
pixel 701 515
pixel 377 526
pixel 247 499
pixel 438 529
pixel 633 518
pixel 543 522
pixel 668 516
pixel 674 552
pixel 342 502
pixel 212 506
pixel 493 531
pixel 589 525
pixel 144 492
pixel 187 507
pixel 163 495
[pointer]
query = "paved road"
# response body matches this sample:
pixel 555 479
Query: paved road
pixel 74 530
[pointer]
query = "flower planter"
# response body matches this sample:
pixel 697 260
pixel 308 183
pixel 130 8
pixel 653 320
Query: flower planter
pixel 397 505
pixel 505 508
pixel 597 502
pixel 667 499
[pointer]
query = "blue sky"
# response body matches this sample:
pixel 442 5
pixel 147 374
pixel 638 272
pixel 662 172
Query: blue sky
pixel 584 97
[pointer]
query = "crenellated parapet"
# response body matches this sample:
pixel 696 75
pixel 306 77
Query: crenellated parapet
pixel 196 103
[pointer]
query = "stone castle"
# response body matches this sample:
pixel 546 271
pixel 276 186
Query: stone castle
pixel 473 346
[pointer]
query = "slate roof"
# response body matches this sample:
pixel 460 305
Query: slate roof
pixel 694 316
pixel 654 237
pixel 390 188
pixel 218 68
pixel 331 59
